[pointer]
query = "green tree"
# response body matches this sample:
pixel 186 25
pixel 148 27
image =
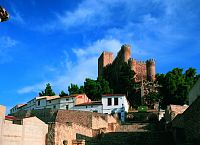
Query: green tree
pixel 151 98
pixel 105 88
pixel 95 88
pixel 48 91
pixel 175 86
pixel 62 94
pixel 126 79
pixel 92 89
pixel 81 90
pixel 73 89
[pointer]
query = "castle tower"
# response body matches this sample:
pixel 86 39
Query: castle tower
pixel 133 64
pixel 126 52
pixel 105 59
pixel 151 70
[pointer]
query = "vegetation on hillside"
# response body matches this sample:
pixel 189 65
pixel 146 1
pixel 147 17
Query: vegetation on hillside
pixel 174 86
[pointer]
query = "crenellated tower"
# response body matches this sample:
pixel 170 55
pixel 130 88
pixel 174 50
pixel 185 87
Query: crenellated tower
pixel 144 70
pixel 126 52
pixel 104 59
pixel 151 70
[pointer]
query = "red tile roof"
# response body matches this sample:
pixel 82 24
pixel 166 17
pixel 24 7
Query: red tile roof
pixel 109 95
pixel 10 118
pixel 90 103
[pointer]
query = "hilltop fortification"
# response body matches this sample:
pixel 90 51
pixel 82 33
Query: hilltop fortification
pixel 144 70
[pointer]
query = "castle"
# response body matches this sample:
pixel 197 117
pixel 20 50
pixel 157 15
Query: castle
pixel 144 70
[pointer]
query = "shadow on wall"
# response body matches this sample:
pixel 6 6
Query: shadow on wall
pixel 142 117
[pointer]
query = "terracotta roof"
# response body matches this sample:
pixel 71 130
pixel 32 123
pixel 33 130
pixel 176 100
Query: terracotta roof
pixel 47 97
pixel 178 109
pixel 41 97
pixel 90 103
pixel 74 95
pixel 109 95
pixel 21 105
pixel 10 118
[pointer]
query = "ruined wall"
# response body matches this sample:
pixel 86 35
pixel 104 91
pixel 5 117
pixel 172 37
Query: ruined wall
pixel 60 132
pixel 79 117
pixel 99 122
pixel 71 125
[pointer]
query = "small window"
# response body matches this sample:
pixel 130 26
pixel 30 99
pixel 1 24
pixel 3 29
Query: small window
pixel 38 102
pixel 67 99
pixel 115 101
pixel 50 101
pixel 54 107
pixel 109 101
pixel 67 107
pixel 95 111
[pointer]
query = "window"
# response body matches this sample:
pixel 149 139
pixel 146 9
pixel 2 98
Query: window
pixel 95 111
pixel 115 101
pixel 67 107
pixel 50 101
pixel 67 99
pixel 54 107
pixel 109 101
pixel 38 102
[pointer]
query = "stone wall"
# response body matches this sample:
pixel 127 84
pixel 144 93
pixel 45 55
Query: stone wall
pixel 46 115
pixel 187 125
pixel 195 92
pixel 136 127
pixel 71 125
pixel 60 132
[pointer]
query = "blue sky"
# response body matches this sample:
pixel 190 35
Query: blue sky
pixel 60 41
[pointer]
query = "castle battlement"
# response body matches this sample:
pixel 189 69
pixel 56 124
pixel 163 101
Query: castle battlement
pixel 144 70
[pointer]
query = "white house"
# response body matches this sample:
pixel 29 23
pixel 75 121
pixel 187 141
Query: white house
pixel 94 106
pixel 16 108
pixel 54 102
pixel 110 103
pixel 113 103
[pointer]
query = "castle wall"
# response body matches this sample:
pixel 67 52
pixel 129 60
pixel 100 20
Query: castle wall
pixel 144 70
pixel 105 59
pixel 151 70
pixel 141 72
